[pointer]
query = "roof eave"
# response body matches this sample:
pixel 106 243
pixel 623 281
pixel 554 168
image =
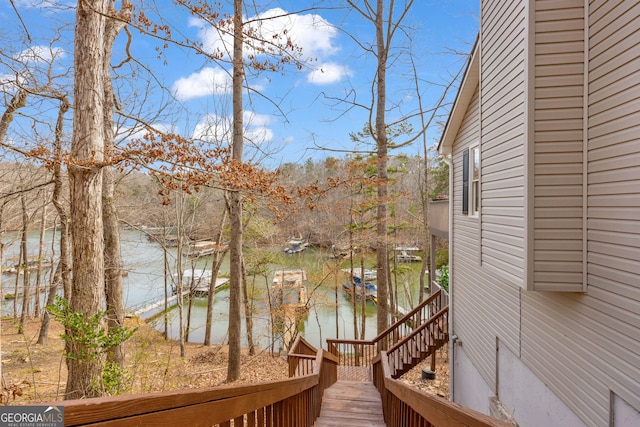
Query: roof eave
pixel 470 81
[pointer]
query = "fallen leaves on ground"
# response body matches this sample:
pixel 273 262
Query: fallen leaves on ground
pixel 438 386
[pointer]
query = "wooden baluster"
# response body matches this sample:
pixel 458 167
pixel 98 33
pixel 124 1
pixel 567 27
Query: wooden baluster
pixel 251 419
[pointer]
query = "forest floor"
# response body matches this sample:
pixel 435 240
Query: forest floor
pixel 438 386
pixel 33 374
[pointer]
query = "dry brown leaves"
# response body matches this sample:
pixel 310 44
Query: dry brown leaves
pixel 438 386
pixel 36 374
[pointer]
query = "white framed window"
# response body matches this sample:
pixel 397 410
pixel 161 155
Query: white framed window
pixel 471 181
pixel 474 175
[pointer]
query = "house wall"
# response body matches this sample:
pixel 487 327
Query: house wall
pixel 582 348
pixel 469 386
pixel 613 207
pixel 558 105
pixel 502 59
pixel 486 306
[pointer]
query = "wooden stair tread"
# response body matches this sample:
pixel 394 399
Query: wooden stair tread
pixel 351 403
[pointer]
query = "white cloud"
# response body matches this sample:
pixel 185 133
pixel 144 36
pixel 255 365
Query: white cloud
pixel 43 3
pixel 213 128
pixel 126 133
pixel 40 54
pixel 209 81
pixel 218 129
pixel 257 127
pixel 310 32
pixel 328 73
pixel 258 136
pixel 9 82
pixel 253 119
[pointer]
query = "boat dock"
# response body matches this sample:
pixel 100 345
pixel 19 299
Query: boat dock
pixel 139 312
pixel 201 290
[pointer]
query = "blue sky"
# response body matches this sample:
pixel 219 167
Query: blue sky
pixel 290 114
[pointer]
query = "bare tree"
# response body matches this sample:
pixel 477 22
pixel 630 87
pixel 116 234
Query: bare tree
pixel 85 173
pixel 112 258
pixel 23 264
pixel 219 253
pixel 61 276
pixel 235 198
pixel 382 16
pixel 40 259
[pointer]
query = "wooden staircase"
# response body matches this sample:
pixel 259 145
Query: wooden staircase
pixel 409 341
pixel 352 404
pixel 314 395
pixel 420 344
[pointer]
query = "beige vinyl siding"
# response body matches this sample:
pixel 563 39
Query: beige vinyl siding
pixel 502 148
pixel 583 346
pixel 613 225
pixel 556 334
pixel 613 176
pixel 558 146
pixel 477 294
pixel 465 251
pixel 587 346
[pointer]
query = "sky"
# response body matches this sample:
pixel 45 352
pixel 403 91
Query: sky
pixel 291 114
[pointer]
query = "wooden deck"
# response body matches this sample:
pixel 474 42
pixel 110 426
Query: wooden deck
pixel 354 373
pixel 351 403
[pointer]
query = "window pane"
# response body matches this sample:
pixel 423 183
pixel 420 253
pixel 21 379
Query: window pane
pixel 476 163
pixel 476 191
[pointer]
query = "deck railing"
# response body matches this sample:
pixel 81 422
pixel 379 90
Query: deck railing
pixel 423 341
pixel 360 353
pixel 289 403
pixel 407 406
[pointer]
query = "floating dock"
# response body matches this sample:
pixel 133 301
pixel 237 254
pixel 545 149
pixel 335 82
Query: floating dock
pixel 200 290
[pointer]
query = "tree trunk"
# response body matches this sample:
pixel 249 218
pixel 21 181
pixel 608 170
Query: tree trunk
pixel 24 264
pixel 62 270
pixel 40 259
pixel 352 284
pixel 218 256
pixel 165 313
pixel 363 325
pixel 19 100
pixel 272 315
pixel 16 286
pixel 192 286
pixel 112 256
pixel 112 265
pixel 43 335
pixel 247 311
pixel 382 257
pixel 180 282
pixel 235 200
pixel 85 175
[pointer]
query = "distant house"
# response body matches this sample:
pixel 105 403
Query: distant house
pixel 544 144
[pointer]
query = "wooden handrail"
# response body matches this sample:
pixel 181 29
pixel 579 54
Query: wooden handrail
pixel 360 353
pixel 302 346
pixel 185 407
pixel 304 359
pixel 408 406
pixel 409 315
pixel 289 403
pixel 393 327
pixel 433 319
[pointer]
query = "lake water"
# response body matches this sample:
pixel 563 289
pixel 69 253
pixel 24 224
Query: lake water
pixel 330 315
